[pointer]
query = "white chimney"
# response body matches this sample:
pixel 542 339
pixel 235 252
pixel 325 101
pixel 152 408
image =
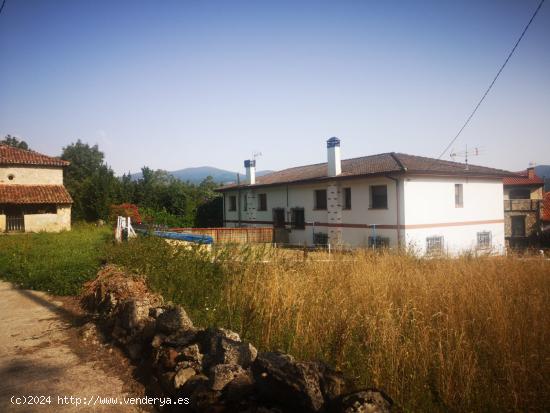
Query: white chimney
pixel 250 166
pixel 334 158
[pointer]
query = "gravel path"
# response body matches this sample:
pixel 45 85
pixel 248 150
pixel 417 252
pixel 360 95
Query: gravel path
pixel 40 356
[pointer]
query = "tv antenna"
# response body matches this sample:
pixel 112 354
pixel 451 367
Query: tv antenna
pixel 465 154
pixel 256 155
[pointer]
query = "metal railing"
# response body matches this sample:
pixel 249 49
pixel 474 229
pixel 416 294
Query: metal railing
pixel 522 205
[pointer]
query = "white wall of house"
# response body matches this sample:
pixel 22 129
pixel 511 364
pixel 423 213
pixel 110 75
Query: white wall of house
pixel 303 196
pixel 430 210
pixel 426 205
pixel 456 239
pixel 25 175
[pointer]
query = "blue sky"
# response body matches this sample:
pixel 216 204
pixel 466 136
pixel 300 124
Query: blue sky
pixel 175 84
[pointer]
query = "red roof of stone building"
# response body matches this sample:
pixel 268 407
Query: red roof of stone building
pixel 385 163
pixel 545 213
pixel 34 194
pixel 522 178
pixel 16 156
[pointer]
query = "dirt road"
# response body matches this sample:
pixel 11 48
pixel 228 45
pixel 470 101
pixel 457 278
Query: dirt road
pixel 40 355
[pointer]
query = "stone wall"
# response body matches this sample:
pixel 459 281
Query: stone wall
pixel 31 175
pixel 537 193
pixel 61 221
pixel 213 367
pixel 531 222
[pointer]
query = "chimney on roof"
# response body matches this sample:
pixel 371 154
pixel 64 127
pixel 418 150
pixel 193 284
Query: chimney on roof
pixel 531 172
pixel 250 166
pixel 334 158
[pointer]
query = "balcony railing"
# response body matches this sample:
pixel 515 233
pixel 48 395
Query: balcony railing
pixel 526 205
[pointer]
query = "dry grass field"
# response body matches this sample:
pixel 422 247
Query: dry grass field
pixel 439 335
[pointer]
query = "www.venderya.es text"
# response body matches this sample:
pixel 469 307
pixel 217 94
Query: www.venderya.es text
pixel 95 400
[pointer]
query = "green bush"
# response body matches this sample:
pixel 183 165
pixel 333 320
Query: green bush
pixel 187 276
pixel 56 263
pixel 163 217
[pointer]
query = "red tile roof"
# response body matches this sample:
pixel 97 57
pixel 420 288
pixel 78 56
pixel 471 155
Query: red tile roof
pixel 34 194
pixel 545 214
pixel 385 163
pixel 15 156
pixel 522 178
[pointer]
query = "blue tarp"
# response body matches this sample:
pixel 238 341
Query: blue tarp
pixel 181 236
pixel 199 239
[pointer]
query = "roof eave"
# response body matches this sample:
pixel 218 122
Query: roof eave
pixel 43 165
pixel 466 174
pixel 309 180
pixel 530 184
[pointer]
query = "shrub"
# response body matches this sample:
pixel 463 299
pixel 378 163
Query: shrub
pixel 187 276
pixel 163 217
pixel 124 210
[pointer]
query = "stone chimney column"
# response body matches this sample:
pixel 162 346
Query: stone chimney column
pixel 531 172
pixel 334 214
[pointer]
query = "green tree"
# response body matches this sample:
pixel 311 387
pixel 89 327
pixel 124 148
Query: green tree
pixel 126 189
pixel 13 141
pixel 90 181
pixel 210 213
pixel 160 196
pixel 209 210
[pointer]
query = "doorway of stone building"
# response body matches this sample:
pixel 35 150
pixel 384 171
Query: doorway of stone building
pixel 15 220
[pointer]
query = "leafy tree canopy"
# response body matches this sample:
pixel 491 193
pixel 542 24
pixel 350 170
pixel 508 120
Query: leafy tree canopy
pixel 85 159
pixel 15 142
pixel 162 198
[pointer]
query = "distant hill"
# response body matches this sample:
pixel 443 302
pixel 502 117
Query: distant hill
pixel 197 174
pixel 544 172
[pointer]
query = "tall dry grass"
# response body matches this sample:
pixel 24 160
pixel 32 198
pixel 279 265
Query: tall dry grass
pixel 467 334
pixel 440 335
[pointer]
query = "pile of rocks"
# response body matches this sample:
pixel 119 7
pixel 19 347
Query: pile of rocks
pixel 213 367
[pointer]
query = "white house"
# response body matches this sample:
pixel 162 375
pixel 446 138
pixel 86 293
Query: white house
pixel 389 199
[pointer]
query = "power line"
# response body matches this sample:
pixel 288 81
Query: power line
pixel 2 6
pixel 493 82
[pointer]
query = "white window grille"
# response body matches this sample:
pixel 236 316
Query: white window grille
pixel 484 239
pixel 434 245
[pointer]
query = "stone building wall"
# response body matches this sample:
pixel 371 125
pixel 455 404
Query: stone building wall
pixel 39 175
pixel 537 193
pixel 531 222
pixel 61 221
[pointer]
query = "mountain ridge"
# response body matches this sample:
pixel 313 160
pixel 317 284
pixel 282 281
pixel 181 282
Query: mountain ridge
pixel 197 174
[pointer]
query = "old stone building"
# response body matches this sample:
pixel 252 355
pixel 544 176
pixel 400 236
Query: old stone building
pixel 523 196
pixel 32 195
